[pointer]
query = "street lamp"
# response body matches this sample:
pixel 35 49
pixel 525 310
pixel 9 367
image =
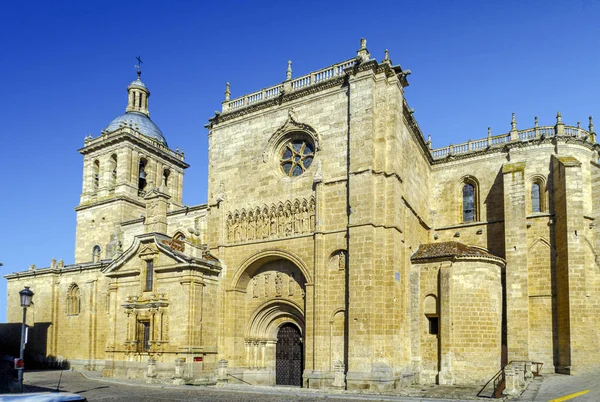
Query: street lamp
pixel 26 296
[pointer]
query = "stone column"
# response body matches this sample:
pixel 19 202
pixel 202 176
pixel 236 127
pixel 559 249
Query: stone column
pixel 156 211
pixel 571 300
pixel 515 233
pixel 446 376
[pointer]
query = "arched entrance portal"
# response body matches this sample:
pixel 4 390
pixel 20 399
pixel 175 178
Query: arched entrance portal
pixel 272 302
pixel 288 356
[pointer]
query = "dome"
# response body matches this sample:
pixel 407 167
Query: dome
pixel 143 123
pixel 138 83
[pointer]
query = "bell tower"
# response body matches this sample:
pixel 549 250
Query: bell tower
pixel 123 163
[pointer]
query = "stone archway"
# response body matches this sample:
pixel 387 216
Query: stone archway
pixel 273 298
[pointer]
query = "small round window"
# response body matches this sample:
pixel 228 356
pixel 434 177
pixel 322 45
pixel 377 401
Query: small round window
pixel 296 156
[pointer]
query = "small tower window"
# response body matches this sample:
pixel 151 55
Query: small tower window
pixel 142 175
pixel 73 300
pixel 96 175
pixel 149 275
pixel 179 236
pixel 96 253
pixel 113 177
pixel 468 203
pixel 536 205
pixel 166 174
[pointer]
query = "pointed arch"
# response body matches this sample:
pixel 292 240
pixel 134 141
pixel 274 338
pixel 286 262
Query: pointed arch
pixel 179 235
pixel 542 241
pixel 96 253
pixel 73 306
pixel 592 250
pixel 537 194
pixel 468 190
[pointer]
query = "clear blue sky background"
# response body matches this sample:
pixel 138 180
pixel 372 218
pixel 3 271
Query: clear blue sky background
pixel 65 66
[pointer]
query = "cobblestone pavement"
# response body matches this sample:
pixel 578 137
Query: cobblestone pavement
pixel 553 386
pixel 95 388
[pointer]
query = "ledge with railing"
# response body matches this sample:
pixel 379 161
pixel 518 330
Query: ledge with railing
pixel 289 85
pixel 516 136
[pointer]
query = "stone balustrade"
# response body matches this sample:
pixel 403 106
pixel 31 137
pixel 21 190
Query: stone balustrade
pixel 292 85
pixel 521 135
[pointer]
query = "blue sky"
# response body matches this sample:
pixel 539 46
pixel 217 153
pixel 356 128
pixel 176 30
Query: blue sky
pixel 65 66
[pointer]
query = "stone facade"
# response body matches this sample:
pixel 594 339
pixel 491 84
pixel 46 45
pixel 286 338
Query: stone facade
pixel 387 262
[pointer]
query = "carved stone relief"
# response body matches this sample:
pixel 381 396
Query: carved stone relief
pixel 274 284
pixel 283 220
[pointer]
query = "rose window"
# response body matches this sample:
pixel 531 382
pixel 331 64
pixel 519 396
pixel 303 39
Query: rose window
pixel 297 156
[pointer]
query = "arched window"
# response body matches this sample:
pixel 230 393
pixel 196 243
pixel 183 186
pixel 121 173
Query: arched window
pixel 469 211
pixel 96 253
pixel 142 175
pixel 96 175
pixel 166 174
pixel 430 308
pixel 536 198
pixel 73 300
pixel 179 236
pixel 113 177
pixel 149 275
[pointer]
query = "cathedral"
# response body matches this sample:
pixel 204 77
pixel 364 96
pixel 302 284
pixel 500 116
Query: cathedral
pixel 337 248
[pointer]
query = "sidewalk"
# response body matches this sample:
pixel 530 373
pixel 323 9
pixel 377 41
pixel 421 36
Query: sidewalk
pixel 553 386
pixel 423 393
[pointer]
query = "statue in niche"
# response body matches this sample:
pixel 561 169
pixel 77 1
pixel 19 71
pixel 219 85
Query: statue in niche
pixel 291 282
pixel 297 220
pixel 278 284
pixel 265 223
pixel 311 211
pixel 258 225
pixel 244 230
pixel 251 227
pixel 305 219
pixel 254 288
pixel 342 261
pixel 273 230
pixel 288 222
pixel 230 228
pixel 280 222
pixel 236 228
pixel 266 285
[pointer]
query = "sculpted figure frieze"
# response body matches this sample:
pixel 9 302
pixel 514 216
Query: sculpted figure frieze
pixel 284 220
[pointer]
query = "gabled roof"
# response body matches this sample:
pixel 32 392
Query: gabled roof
pixel 168 246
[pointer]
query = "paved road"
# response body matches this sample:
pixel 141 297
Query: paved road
pixel 551 387
pixel 565 388
pixel 102 390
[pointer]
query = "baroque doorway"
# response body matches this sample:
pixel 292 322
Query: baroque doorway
pixel 288 356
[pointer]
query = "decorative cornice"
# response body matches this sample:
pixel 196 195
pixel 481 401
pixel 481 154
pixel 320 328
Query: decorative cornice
pixel 109 200
pixel 125 134
pixel 58 271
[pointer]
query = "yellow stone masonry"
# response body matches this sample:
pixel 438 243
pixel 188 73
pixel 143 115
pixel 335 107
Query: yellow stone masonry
pixel 335 250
